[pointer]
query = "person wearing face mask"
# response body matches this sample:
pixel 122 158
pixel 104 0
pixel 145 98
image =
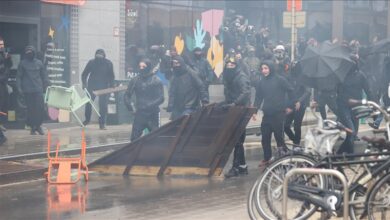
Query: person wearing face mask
pixel 187 91
pixel 276 94
pixel 97 75
pixel 31 82
pixel 237 93
pixel 149 95
pixel 253 64
pixel 281 60
pixel 5 65
pixel 203 68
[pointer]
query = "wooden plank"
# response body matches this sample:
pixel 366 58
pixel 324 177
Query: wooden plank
pixel 234 130
pixel 223 155
pixel 173 146
pixel 195 121
pixel 186 171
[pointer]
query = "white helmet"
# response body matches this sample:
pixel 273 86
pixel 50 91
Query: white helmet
pixel 279 47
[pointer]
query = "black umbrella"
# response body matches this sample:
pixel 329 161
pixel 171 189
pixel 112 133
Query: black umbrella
pixel 382 46
pixel 325 66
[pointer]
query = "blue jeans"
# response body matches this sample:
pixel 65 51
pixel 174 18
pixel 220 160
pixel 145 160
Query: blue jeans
pixel 348 120
pixel 378 120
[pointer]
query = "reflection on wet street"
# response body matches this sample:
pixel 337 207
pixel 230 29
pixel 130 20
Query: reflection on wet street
pixel 118 197
pixel 66 198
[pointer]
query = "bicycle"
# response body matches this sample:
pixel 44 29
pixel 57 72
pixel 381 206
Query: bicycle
pixel 309 193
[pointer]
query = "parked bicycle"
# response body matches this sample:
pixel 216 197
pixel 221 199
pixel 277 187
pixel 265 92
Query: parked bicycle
pixel 367 172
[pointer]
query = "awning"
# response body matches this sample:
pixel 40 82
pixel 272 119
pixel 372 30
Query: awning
pixel 66 2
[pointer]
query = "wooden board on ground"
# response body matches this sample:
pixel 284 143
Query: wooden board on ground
pixel 198 144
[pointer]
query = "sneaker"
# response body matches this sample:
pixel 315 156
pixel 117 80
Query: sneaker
pixel 232 172
pixel 264 163
pixel 3 140
pixel 102 127
pixel 32 131
pixel 85 122
pixel 373 125
pixel 40 131
pixel 243 170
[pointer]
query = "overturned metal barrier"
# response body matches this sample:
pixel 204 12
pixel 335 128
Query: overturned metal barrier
pixel 198 144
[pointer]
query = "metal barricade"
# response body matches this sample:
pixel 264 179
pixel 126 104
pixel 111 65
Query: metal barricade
pixel 331 172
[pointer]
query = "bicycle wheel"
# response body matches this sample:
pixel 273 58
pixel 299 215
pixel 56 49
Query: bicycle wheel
pixel 252 212
pixel 378 204
pixel 269 192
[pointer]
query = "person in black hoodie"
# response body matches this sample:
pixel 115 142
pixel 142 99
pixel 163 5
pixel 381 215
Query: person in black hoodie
pixel 237 93
pixel 98 74
pixel 187 91
pixel 200 64
pixel 5 65
pixel 276 94
pixel 302 93
pixel 355 82
pixel 149 94
pixel 31 82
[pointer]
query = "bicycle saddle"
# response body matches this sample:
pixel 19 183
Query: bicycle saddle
pixel 379 143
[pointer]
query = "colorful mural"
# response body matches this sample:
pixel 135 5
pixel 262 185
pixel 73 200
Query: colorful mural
pixel 179 44
pixel 210 23
pixel 215 56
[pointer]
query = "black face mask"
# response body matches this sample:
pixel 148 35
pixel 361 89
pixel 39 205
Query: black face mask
pixel 178 70
pixel 99 57
pixel 198 56
pixel 29 56
pixel 144 71
pixel 229 73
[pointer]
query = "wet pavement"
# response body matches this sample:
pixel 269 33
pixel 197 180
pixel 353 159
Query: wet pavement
pixel 117 197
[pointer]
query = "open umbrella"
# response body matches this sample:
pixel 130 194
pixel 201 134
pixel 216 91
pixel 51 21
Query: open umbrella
pixel 325 66
pixel 382 46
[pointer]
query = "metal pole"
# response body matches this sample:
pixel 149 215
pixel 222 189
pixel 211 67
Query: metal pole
pixel 292 30
pixel 331 172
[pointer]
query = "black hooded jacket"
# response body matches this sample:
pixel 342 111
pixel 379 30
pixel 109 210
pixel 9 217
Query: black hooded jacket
pixel 237 90
pixel 5 65
pixel 275 91
pixel 148 90
pixel 31 76
pixel 99 73
pixel 353 85
pixel 187 89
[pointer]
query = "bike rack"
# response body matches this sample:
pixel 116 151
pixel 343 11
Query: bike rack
pixel 331 172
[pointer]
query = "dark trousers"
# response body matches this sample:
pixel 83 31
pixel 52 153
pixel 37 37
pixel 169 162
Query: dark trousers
pixel 297 117
pixel 272 124
pixel 35 109
pixel 239 153
pixel 142 120
pixel 349 121
pixel 103 102
pixel 329 99
pixel 2 136
pixel 3 101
